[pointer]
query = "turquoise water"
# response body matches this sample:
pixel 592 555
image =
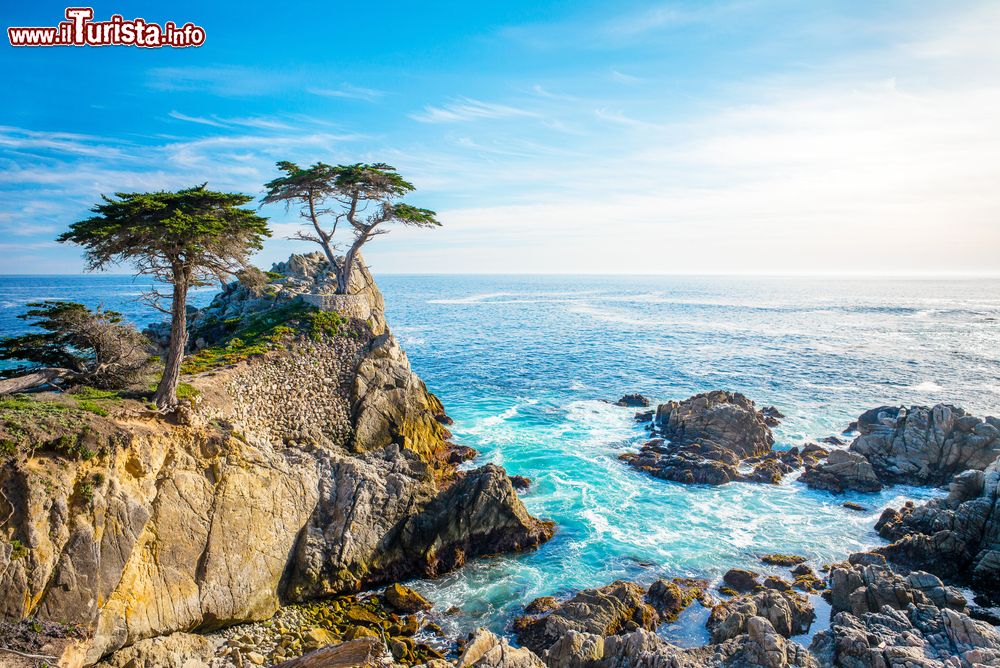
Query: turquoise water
pixel 523 364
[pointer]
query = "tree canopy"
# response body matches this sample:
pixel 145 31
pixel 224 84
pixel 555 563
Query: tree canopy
pixel 361 195
pixel 183 238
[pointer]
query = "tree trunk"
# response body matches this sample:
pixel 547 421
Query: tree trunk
pixel 166 391
pixel 35 380
pixel 344 276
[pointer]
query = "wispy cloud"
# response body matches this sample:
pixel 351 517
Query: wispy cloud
pixel 222 80
pixel 622 77
pixel 217 122
pixel 347 91
pixel 467 109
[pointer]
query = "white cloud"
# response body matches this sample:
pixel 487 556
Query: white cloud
pixel 348 91
pixel 466 109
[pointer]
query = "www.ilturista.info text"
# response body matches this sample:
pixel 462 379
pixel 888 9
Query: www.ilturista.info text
pixel 80 30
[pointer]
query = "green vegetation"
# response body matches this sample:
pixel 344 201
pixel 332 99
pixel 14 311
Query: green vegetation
pixel 18 550
pixel 62 424
pixel 241 339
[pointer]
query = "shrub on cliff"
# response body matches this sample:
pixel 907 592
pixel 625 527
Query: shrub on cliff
pixel 75 345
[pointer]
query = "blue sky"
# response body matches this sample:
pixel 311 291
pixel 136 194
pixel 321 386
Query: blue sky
pixel 551 136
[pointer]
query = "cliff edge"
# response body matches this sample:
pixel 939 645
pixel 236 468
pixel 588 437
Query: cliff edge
pixel 310 460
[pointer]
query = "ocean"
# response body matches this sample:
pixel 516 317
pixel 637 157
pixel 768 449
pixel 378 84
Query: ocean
pixel 525 366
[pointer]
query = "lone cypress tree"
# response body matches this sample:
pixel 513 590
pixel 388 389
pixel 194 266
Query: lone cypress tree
pixel 183 238
pixel 366 198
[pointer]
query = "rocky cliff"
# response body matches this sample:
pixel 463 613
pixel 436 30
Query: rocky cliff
pixel 310 461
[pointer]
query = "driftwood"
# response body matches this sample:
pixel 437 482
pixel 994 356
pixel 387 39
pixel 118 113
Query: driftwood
pixel 35 379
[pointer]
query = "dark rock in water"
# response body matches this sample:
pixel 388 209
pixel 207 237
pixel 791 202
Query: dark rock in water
pixel 633 401
pixel 955 537
pixel 710 435
pixel 843 470
pixel 444 419
pixel 778 559
pixel 616 608
pixel 741 580
pixel 772 416
pixel 832 440
pixel 521 483
pixel 645 416
pixel 916 621
pixel 851 428
pixel 461 453
pixel 670 597
pixel 850 505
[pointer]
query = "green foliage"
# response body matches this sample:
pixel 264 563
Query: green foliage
pixel 274 275
pixel 187 392
pixel 325 324
pixel 18 550
pixel 251 336
pixel 203 230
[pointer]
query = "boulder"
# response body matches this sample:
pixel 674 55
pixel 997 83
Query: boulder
pixel 177 650
pixel 405 600
pixel 843 470
pixel 633 401
pixel 709 435
pixel 789 613
pixel 741 580
pixel 916 446
pixel 616 608
pixel 486 650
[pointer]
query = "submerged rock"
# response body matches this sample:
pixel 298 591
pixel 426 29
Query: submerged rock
pixel 842 471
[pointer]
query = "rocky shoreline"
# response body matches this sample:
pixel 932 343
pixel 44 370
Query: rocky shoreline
pixel 312 472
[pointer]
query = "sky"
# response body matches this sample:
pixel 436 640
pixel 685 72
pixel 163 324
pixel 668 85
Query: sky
pixel 551 136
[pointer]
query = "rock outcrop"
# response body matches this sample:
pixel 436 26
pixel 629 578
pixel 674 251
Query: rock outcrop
pixel 882 620
pixel 914 446
pixel 706 439
pixel 956 537
pixel 318 466
pixel 616 608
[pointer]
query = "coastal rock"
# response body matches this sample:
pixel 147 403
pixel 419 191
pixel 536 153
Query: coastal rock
pixel 920 635
pixel 671 597
pixel 403 599
pixel 787 612
pixel 709 435
pixel 486 650
pixel 868 588
pixel 360 653
pixel 916 446
pixel 843 470
pixel 633 401
pixel 615 608
pixel 956 537
pixel 177 650
pixel 317 468
pixel 741 580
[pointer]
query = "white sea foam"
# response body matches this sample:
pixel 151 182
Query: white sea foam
pixel 926 386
